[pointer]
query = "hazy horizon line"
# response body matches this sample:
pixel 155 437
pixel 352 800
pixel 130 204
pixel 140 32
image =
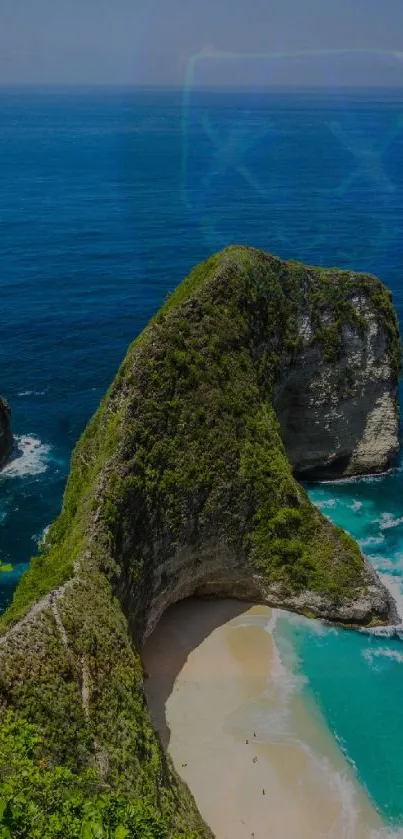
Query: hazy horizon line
pixel 208 87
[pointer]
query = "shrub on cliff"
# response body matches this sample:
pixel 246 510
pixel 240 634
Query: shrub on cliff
pixel 45 801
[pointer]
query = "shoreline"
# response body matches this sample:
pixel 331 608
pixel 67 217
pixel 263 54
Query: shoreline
pixel 256 756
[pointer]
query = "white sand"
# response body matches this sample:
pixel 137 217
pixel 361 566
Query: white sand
pixel 259 762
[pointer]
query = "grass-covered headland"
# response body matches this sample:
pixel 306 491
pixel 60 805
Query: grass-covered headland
pixel 180 483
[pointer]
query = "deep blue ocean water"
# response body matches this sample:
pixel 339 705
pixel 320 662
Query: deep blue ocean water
pixel 107 199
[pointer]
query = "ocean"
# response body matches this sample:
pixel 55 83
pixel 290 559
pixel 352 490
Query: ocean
pixel 108 198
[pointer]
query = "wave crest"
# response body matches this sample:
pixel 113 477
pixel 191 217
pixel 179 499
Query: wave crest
pixel 30 458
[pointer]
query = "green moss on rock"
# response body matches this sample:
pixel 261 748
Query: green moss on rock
pixel 178 431
pixel 183 461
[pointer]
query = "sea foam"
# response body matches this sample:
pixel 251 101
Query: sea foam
pixel 382 652
pixel 30 458
pixel 356 505
pixel 275 722
pixel 32 393
pixel 327 504
pixel 387 521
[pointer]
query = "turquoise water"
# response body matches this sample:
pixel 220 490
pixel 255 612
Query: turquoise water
pixel 357 678
pixel 107 199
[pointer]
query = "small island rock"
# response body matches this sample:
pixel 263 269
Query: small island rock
pixel 6 437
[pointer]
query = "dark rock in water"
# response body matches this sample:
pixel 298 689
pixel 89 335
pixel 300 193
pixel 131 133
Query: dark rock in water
pixel 255 370
pixel 6 437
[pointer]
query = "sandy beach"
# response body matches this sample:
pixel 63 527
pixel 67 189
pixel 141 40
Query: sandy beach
pixel 258 760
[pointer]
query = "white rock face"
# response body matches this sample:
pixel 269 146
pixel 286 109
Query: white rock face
pixel 340 418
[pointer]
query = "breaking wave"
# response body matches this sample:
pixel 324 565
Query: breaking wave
pixel 31 457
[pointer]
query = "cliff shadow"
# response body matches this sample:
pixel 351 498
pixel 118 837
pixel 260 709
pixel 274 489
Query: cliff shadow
pixel 180 630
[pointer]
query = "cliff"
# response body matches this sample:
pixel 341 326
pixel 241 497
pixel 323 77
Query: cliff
pixel 183 483
pixel 336 403
pixel 6 437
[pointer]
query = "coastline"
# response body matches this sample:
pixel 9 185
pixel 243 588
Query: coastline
pixel 258 759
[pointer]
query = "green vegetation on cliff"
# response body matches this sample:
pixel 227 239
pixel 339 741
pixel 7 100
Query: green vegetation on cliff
pixel 48 801
pixel 179 431
pixel 182 462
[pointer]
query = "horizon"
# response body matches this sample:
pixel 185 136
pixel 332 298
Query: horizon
pixel 82 87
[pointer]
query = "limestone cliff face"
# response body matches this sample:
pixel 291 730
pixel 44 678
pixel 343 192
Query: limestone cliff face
pixel 339 416
pixel 6 437
pixel 183 483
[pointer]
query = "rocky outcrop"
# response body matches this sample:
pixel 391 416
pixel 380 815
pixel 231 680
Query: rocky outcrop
pixel 339 416
pixel 6 437
pixel 183 483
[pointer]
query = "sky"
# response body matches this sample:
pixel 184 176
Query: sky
pixel 161 42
